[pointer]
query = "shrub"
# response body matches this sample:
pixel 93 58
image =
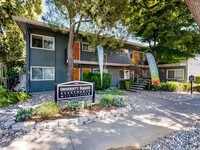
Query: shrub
pixel 95 77
pixel 197 79
pixel 74 105
pixel 174 86
pixel 48 109
pixel 128 84
pixel 125 84
pixel 155 88
pixel 197 88
pixel 164 86
pixel 4 102
pixel 187 86
pixel 106 101
pixel 22 96
pixel 24 115
pixel 119 101
pixel 9 98
pixel 86 104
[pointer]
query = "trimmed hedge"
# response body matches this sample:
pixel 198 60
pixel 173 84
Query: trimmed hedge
pixel 95 77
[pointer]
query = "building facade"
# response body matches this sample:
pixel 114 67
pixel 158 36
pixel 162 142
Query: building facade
pixel 46 61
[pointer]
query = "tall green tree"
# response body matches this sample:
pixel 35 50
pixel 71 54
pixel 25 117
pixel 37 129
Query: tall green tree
pixel 168 28
pixel 103 14
pixel 12 45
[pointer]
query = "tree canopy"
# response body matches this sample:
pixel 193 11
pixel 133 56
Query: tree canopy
pixel 12 46
pixel 76 14
pixel 168 28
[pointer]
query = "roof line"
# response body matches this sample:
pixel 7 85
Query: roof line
pixel 46 25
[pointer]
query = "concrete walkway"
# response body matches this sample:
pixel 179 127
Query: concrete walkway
pixel 136 129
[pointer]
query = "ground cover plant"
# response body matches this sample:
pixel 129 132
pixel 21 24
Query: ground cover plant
pixel 74 108
pixel 9 98
pixel 47 110
pixel 24 115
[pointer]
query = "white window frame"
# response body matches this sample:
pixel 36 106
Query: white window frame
pixel 175 74
pixel 105 70
pixel 42 42
pixel 42 74
pixel 89 50
pixel 124 74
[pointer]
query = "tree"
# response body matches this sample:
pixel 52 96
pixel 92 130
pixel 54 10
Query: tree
pixel 168 28
pixel 103 14
pixel 194 6
pixel 12 45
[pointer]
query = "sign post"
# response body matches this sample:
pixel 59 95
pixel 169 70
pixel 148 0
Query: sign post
pixel 191 79
pixel 74 89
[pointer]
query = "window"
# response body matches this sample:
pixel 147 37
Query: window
pixel 42 73
pixel 85 47
pixel 126 52
pixel 42 42
pixel 98 70
pixel 177 74
pixel 124 74
pixel 141 56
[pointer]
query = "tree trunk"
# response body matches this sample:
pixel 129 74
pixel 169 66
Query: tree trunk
pixel 194 6
pixel 70 51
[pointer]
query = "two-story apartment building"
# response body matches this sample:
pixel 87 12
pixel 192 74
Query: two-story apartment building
pixel 46 61
pixel 180 71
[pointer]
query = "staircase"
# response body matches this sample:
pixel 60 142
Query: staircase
pixel 140 84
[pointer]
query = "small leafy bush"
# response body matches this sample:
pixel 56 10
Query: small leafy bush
pixel 155 88
pixel 10 98
pixel 174 86
pixel 197 79
pixel 95 77
pixel 125 84
pixel 86 104
pixel 119 101
pixel 128 85
pixel 48 109
pixel 106 101
pixel 24 115
pixel 74 105
pixel 187 86
pixel 197 88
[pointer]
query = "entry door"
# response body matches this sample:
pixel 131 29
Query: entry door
pixel 76 75
pixel 77 51
pixel 135 57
